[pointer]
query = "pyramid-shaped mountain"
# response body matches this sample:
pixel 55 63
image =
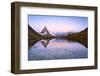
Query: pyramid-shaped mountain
pixel 45 32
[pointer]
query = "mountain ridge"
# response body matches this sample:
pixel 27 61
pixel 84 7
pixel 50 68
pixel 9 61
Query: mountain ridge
pixel 81 37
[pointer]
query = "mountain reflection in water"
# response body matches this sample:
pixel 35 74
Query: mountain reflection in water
pixel 47 49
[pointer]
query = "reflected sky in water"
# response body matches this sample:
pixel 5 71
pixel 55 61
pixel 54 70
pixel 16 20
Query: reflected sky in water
pixel 57 49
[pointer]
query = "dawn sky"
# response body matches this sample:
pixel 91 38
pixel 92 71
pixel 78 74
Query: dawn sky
pixel 58 24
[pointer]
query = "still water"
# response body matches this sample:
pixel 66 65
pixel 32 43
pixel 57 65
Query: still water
pixel 57 49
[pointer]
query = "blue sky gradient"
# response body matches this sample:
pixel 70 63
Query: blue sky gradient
pixel 58 24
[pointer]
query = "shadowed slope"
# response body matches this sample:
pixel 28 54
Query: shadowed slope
pixel 81 37
pixel 33 34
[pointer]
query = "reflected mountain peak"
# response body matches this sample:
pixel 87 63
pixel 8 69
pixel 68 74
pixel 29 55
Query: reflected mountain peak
pixel 45 42
pixel 46 49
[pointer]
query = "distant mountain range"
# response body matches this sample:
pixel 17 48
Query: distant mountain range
pixel 82 34
pixel 81 37
pixel 33 35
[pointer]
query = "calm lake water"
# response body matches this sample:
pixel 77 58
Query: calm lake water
pixel 57 49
